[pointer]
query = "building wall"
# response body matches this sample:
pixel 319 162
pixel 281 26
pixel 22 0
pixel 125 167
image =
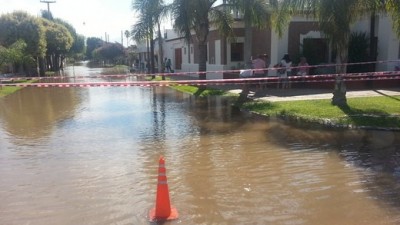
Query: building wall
pixel 267 41
pixel 388 44
pixel 296 30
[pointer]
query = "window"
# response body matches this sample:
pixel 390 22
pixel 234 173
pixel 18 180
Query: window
pixel 237 52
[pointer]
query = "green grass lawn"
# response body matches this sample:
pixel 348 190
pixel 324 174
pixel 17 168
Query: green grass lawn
pixel 194 90
pixel 118 69
pixel 197 91
pixel 371 111
pixel 6 90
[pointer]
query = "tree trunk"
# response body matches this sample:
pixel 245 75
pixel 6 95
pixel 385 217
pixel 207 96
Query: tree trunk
pixel 147 62
pixel 42 66
pixel 339 93
pixel 160 51
pixel 56 62
pixel 152 63
pixel 202 60
pixel 248 46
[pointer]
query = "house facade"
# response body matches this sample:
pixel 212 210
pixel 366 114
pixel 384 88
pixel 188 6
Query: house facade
pixel 223 54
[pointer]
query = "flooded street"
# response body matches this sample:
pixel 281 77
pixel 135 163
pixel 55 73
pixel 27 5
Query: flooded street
pixel 90 156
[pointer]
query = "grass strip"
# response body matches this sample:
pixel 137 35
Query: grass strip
pixel 200 91
pixel 118 69
pixel 6 90
pixel 383 112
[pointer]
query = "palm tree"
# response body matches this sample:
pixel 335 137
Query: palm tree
pixel 335 18
pixel 197 16
pixel 151 14
pixel 255 13
pixel 140 30
pixel 127 35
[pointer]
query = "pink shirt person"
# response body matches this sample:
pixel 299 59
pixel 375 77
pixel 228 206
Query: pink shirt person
pixel 259 63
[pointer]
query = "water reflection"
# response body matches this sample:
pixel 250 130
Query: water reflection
pixel 90 154
pixel 33 112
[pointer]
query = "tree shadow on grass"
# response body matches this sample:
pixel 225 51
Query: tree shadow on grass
pixel 199 91
pixel 204 92
pixel 392 97
pixel 370 117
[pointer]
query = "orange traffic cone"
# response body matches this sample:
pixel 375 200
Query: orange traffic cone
pixel 163 209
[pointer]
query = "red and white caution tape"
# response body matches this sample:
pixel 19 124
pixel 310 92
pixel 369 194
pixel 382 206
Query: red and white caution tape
pixel 329 78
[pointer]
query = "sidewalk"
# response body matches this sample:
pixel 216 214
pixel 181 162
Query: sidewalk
pixel 275 95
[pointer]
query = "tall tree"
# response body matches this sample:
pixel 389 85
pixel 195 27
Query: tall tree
pixel 335 18
pixel 59 42
pixel 14 55
pixel 109 52
pixel 78 46
pixel 198 16
pixel 127 35
pixel 151 14
pixel 91 44
pixel 19 25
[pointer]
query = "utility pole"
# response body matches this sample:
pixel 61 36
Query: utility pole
pixel 122 38
pixel 48 4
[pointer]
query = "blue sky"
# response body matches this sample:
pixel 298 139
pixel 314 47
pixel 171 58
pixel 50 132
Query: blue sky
pixel 91 18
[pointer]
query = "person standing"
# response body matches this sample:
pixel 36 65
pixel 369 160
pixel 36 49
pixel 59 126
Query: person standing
pixel 164 64
pixel 285 71
pixel 259 66
pixel 304 68
pixel 168 65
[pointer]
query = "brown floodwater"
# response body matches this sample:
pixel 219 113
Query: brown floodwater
pixel 90 156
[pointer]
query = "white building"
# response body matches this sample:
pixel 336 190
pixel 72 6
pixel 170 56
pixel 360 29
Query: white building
pixel 224 55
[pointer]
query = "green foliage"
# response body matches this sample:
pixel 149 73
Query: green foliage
pixel 7 90
pixel 334 17
pixel 118 69
pixel 20 25
pixel 78 45
pixel 109 51
pixel 200 91
pixel 91 44
pixel 59 39
pixel 15 54
pixel 47 15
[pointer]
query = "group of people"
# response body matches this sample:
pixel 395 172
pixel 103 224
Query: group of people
pixel 284 69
